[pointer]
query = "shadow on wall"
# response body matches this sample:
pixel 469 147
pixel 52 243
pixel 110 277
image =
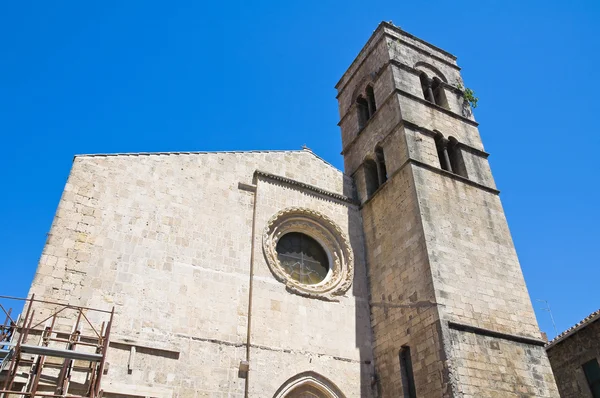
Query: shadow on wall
pixel 360 291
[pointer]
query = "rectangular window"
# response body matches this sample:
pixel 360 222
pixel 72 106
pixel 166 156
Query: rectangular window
pixel 592 374
pixel 408 380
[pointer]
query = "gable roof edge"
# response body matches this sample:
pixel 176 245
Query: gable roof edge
pixel 588 320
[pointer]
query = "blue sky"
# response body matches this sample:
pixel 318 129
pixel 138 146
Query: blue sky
pixel 136 76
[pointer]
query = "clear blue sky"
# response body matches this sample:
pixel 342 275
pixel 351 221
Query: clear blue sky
pixel 133 76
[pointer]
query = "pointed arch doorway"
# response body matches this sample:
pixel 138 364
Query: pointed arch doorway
pixel 307 392
pixel 308 385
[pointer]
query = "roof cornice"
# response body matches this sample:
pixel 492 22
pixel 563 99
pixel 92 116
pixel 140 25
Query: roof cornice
pixel 588 320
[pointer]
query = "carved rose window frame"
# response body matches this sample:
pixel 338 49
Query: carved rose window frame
pixel 328 234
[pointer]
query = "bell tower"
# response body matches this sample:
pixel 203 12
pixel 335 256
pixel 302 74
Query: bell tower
pixel 450 312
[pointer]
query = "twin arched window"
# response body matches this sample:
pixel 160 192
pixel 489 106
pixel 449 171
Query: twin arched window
pixel 375 171
pixel 450 155
pixel 366 106
pixel 433 90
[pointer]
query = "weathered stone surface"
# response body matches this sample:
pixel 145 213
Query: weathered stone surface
pixel 570 351
pixel 167 240
pixel 438 248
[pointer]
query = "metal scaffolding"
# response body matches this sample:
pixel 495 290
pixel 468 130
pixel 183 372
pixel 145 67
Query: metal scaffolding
pixel 44 354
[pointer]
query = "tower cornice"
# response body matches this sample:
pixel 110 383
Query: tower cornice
pixel 373 41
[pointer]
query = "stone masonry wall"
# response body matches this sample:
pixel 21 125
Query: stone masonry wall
pixel 421 147
pixel 166 240
pixel 474 264
pixel 468 271
pixel 489 367
pixel 404 311
pixel 568 356
pixel 386 118
pixel 365 74
pixel 478 282
pixel 310 328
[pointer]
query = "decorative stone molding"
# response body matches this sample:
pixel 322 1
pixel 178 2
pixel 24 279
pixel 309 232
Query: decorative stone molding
pixel 308 384
pixel 328 234
pixel 301 185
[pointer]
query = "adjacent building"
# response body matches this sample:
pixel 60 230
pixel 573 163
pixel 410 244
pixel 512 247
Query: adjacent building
pixel 575 357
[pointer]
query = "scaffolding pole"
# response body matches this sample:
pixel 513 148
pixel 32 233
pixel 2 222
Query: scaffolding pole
pixel 29 369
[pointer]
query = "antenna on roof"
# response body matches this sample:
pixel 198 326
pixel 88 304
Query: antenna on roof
pixel 547 308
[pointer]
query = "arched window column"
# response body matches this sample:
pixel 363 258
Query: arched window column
pixel 371 101
pixel 366 106
pixel 439 95
pixel 426 87
pixel 457 163
pixel 371 177
pixel 450 155
pixel 363 111
pixel 433 90
pixel 441 145
pixel 381 168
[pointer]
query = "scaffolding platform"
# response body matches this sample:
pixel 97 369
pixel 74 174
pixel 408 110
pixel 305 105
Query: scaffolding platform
pixel 53 350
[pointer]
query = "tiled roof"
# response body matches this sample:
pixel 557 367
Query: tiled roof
pixel 585 322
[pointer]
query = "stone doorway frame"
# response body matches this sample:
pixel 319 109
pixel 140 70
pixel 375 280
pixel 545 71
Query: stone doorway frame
pixel 312 381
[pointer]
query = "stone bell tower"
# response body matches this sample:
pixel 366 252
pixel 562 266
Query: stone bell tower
pixel 450 312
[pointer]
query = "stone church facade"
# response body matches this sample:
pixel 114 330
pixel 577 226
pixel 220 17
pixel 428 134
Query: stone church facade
pixel 273 274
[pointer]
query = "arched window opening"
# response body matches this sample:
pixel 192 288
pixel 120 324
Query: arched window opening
pixel 363 111
pixel 371 101
pixel 381 169
pixel 457 162
pixel 424 67
pixel 371 177
pixel 366 107
pixel 439 95
pixel 441 144
pixel 426 87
